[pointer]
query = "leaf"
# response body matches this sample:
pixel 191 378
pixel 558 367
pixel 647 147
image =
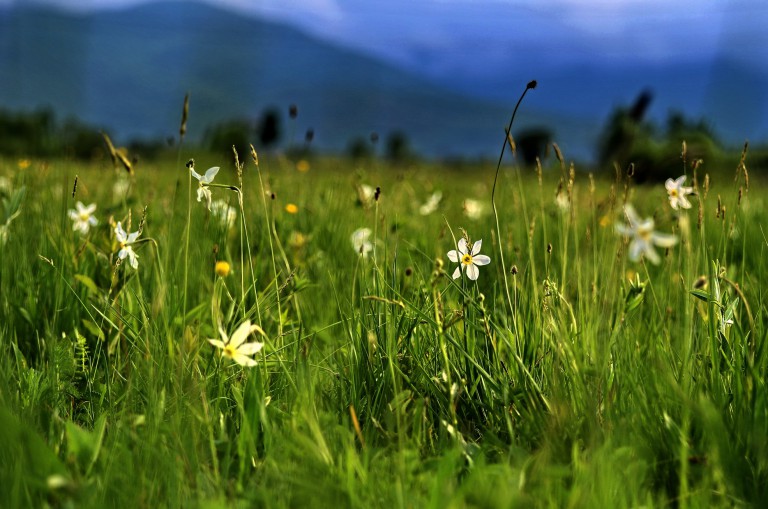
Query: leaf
pixel 88 282
pixel 701 295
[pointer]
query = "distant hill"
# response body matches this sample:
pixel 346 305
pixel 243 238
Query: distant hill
pixel 128 70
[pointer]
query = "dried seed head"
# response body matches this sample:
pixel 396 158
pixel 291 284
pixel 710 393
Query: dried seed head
pixel 377 193
pixel 74 188
pixel 549 248
pixel 513 270
pixel 190 164
pixel 701 282
pixel 531 85
pixel 293 111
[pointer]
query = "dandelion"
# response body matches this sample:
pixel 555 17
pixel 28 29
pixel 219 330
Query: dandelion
pixel 205 180
pixel 360 241
pixel 125 240
pixel 677 192
pixel 235 347
pixel 291 208
pixel 24 164
pixel 473 209
pixel 224 213
pixel 431 204
pixel 643 236
pixel 83 217
pixel 469 259
pixel 222 268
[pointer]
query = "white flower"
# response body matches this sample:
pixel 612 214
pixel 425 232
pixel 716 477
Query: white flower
pixel 125 240
pixel 366 194
pixel 235 347
pixel 468 258
pixel 225 214
pixel 120 187
pixel 83 217
pixel 677 193
pixel 360 241
pixel 643 236
pixel 431 204
pixel 206 179
pixel 474 209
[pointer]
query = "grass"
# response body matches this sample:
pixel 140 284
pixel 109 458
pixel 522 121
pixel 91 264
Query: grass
pixel 577 379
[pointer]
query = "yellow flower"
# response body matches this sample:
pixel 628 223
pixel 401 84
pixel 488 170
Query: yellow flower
pixel 24 164
pixel 222 268
pixel 302 166
pixel 291 208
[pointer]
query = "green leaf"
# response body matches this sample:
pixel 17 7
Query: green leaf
pixel 701 294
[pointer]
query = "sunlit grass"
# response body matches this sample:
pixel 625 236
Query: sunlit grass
pixel 567 374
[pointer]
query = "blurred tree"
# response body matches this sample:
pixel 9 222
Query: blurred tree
pixel 398 147
pixel 222 136
pixel 533 143
pixel 269 128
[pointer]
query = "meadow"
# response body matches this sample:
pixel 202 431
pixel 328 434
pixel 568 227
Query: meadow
pixel 348 367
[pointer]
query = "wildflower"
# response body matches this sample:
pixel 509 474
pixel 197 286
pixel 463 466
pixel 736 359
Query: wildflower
pixel 562 201
pixel 677 193
pixel 125 240
pixel 643 236
pixel 469 259
pixel 291 208
pixel 120 187
pixel 236 348
pixel 302 165
pixel 24 164
pixel 473 209
pixel 365 194
pixel 224 213
pixel 360 241
pixel 83 217
pixel 431 204
pixel 206 179
pixel 222 268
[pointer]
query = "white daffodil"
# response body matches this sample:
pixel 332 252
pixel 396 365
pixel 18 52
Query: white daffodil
pixel 203 191
pixel 236 348
pixel 469 259
pixel 431 205
pixel 473 209
pixel 643 236
pixel 360 241
pixel 83 217
pixel 677 192
pixel 125 240
pixel 224 213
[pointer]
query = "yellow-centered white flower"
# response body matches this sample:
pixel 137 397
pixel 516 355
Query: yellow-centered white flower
pixel 469 259
pixel 83 217
pixel 643 236
pixel 677 193
pixel 236 348
pixel 125 240
pixel 202 190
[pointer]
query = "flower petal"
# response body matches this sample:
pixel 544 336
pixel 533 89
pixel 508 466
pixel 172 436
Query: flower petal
pixel 476 247
pixel 217 343
pixel 636 249
pixel 195 174
pixel 651 254
pixel 120 233
pixel 240 334
pixel 634 219
pixel 663 239
pixel 462 246
pixel 481 260
pixel 243 360
pixel 250 348
pixel 208 177
pixel 669 184
pixel 473 272
pixel 457 272
pixel 453 255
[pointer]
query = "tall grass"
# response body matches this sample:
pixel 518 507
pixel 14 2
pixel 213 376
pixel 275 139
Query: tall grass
pixel 567 375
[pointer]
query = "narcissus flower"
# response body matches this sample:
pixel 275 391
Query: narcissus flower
pixel 125 240
pixel 677 193
pixel 360 241
pixel 83 217
pixel 236 348
pixel 643 236
pixel 469 259
pixel 203 191
pixel 431 204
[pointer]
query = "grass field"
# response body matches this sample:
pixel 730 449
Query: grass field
pixel 566 375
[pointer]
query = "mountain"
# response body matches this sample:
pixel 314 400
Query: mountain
pixel 128 71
